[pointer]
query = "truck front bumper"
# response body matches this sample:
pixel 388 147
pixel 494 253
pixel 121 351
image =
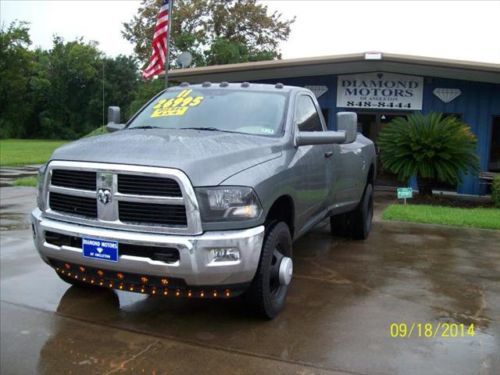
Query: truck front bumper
pixel 195 266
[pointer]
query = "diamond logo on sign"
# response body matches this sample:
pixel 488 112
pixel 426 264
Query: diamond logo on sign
pixel 317 90
pixel 447 95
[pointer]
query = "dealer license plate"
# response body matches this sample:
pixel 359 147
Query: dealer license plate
pixel 100 249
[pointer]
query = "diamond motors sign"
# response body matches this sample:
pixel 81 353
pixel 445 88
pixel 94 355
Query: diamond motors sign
pixel 380 91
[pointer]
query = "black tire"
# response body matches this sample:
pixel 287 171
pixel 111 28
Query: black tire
pixel 363 215
pixel 73 281
pixel 265 295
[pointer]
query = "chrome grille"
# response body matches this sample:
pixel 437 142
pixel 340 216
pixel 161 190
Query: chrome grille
pixel 146 185
pixel 137 198
pixel 74 179
pixel 134 212
pixel 73 205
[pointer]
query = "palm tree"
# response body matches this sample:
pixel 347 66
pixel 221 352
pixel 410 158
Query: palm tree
pixel 431 147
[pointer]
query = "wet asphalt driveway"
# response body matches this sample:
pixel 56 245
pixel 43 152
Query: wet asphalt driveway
pixel 343 299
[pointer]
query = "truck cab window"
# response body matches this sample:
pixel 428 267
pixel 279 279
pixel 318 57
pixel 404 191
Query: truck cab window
pixel 307 116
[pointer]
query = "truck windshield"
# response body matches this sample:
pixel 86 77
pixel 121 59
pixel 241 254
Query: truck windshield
pixel 242 111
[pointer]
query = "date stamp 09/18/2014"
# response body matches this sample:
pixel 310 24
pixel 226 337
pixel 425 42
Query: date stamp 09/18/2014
pixel 431 330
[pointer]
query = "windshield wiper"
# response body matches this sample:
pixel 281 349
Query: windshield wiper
pixel 144 127
pixel 211 129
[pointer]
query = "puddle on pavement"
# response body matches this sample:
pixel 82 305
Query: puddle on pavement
pixel 13 221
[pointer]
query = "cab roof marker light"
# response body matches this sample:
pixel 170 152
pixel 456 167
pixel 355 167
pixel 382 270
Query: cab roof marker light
pixel 206 84
pixel 184 84
pixel 245 84
pixel 279 85
pixel 224 84
pixel 165 292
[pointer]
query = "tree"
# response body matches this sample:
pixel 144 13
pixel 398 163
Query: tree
pixel 431 147
pixel 71 77
pixel 16 66
pixel 213 31
pixel 121 79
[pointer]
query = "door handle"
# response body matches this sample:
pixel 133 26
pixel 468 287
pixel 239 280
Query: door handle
pixel 328 154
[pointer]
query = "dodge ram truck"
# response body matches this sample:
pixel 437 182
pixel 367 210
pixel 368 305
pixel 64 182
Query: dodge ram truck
pixel 202 193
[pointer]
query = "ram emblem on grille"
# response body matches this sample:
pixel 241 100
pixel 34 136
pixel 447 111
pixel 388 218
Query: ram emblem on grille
pixel 104 196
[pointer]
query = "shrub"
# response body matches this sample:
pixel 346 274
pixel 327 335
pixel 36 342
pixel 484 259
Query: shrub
pixel 495 191
pixel 431 147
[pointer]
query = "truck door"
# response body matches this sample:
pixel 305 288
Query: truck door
pixel 350 184
pixel 311 181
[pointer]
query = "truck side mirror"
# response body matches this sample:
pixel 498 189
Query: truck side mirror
pixel 114 120
pixel 319 138
pixel 348 122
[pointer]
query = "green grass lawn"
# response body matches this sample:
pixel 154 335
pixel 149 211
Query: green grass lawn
pixel 16 152
pixel 484 218
pixel 26 181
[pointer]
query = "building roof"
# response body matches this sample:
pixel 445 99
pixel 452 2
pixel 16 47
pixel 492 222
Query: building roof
pixel 342 64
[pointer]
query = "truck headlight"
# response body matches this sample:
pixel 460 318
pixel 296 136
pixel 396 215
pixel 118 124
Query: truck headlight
pixel 40 199
pixel 228 203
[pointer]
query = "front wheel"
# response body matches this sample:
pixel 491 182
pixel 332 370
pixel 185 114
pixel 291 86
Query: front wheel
pixel 269 288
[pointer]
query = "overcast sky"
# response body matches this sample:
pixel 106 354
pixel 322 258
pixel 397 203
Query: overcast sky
pixel 448 29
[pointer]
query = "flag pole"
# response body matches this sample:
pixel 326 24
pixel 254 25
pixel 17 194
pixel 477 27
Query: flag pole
pixel 167 60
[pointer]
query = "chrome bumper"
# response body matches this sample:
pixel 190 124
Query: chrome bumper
pixel 195 266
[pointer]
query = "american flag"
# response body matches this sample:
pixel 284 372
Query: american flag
pixel 158 56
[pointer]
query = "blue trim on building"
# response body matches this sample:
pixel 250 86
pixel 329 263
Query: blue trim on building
pixel 478 103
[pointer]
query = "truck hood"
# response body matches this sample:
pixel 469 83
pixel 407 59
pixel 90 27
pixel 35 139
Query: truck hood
pixel 207 157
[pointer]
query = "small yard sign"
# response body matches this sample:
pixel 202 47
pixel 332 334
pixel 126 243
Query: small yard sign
pixel 404 193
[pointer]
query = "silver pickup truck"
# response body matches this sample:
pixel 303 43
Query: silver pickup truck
pixel 202 192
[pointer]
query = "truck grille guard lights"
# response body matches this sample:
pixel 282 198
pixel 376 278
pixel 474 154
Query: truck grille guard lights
pixel 152 285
